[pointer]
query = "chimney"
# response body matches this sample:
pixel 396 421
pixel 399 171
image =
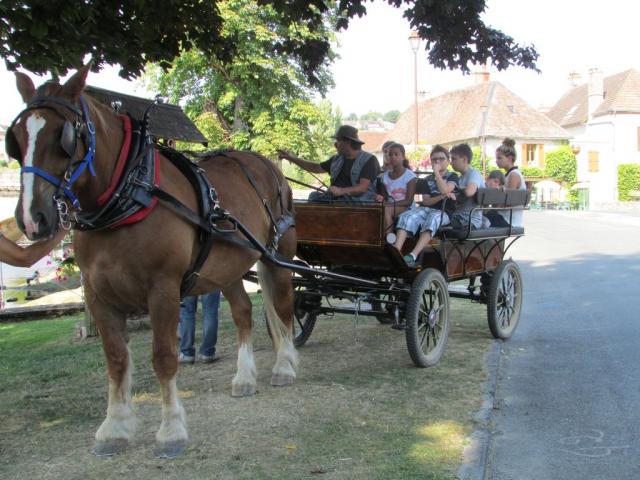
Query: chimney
pixel 574 78
pixel 595 91
pixel 481 75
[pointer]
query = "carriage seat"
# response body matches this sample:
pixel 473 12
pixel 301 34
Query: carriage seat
pixel 491 199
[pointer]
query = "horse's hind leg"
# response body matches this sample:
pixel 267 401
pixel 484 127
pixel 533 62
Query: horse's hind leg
pixel 244 382
pixel 171 437
pixel 117 429
pixel 277 293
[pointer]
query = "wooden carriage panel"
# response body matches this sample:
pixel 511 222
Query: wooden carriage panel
pixel 354 257
pixel 355 225
pixel 472 257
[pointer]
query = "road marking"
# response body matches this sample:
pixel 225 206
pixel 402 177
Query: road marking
pixel 590 445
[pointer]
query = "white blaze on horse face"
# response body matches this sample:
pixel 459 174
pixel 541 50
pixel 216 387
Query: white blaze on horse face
pixel 35 123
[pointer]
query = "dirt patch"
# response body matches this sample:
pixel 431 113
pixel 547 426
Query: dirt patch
pixel 360 409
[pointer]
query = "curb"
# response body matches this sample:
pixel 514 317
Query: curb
pixel 476 453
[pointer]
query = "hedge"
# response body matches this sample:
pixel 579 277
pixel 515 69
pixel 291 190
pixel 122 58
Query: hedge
pixel 628 180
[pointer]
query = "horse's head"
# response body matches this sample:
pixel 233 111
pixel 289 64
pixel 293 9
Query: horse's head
pixel 49 138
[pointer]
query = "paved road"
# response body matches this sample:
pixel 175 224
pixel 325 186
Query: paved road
pixel 568 395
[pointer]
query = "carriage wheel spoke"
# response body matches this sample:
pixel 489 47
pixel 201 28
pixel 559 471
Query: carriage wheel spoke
pixel 425 336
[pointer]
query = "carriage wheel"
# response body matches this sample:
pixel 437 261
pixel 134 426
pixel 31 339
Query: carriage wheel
pixel 504 300
pixel 427 318
pixel 303 322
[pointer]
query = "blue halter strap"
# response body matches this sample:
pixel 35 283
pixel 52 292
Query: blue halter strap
pixel 65 184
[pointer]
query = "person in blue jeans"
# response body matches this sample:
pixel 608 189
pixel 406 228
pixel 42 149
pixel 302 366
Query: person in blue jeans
pixel 188 308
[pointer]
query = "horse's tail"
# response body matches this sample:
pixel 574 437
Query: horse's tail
pixel 281 329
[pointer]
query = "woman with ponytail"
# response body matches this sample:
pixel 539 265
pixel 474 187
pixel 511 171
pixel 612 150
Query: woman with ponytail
pixel 506 159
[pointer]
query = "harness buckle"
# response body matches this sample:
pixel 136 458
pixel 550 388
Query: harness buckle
pixel 63 213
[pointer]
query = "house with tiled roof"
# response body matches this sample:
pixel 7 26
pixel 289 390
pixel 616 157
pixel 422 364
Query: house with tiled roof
pixel 373 140
pixel 603 117
pixel 483 114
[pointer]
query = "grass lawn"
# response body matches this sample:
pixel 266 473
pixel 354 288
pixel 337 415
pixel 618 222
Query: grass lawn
pixel 359 410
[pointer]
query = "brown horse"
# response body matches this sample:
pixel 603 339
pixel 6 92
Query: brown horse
pixel 139 267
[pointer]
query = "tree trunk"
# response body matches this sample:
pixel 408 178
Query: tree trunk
pixel 88 327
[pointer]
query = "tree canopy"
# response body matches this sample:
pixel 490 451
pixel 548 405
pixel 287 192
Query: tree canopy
pixel 55 36
pixel 260 99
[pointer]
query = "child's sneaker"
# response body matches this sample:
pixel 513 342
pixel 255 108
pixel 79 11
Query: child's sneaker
pixel 182 358
pixel 410 261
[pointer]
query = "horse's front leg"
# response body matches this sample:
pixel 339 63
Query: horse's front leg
pixel 244 383
pixel 119 426
pixel 164 308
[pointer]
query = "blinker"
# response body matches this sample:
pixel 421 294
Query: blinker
pixel 68 142
pixel 69 139
pixel 11 146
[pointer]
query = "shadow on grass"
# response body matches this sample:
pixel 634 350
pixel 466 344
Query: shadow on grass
pixel 359 408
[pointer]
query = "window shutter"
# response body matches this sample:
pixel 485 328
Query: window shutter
pixel 594 161
pixel 541 156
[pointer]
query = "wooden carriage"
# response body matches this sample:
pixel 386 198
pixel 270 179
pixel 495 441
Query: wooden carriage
pixel 348 242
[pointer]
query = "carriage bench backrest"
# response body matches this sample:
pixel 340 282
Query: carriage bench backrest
pixel 421 186
pixel 493 199
pixel 496 198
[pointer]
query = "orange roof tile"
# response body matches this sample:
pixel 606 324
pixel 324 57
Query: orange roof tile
pixel 488 109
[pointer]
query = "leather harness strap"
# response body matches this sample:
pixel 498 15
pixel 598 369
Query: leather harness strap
pixel 286 221
pixel 210 212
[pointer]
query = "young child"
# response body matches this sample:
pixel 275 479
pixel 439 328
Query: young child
pixel 470 181
pixel 495 179
pixel 506 159
pixel 492 218
pixel 430 217
pixel 400 184
pixel 385 155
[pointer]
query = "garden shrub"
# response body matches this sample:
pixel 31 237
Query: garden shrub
pixel 561 164
pixel 628 180
pixel 532 172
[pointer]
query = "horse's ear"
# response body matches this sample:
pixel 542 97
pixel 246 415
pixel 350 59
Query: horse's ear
pixel 75 85
pixel 25 86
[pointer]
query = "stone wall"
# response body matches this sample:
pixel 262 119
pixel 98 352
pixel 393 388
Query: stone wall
pixel 9 180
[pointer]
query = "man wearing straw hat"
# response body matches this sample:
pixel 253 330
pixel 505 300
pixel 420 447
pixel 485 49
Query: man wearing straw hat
pixel 353 171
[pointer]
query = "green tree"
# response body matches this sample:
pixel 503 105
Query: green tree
pixel 261 99
pixel 476 161
pixel 352 117
pixel 371 116
pixel 337 118
pixel 391 116
pixel 54 36
pixel 561 164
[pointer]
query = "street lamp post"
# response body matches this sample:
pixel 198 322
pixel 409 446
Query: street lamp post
pixel 414 41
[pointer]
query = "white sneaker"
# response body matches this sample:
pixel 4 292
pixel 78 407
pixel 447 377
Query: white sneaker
pixel 182 358
pixel 208 358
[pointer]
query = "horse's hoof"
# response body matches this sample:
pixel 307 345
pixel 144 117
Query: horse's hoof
pixel 281 380
pixel 171 449
pixel 244 390
pixel 108 448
